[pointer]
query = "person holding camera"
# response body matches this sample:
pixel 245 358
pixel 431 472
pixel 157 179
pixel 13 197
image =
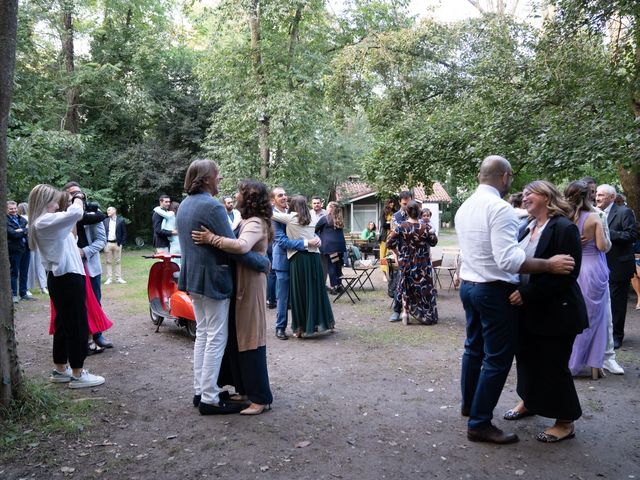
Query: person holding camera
pixel 92 238
pixel 52 235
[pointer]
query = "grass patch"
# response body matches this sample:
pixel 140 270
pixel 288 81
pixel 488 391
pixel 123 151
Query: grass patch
pixel 41 412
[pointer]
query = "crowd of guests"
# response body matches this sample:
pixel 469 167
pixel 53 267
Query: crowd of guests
pixel 544 279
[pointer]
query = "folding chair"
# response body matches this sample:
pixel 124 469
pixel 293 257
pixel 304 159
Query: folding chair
pixel 347 282
pixel 448 263
pixel 364 272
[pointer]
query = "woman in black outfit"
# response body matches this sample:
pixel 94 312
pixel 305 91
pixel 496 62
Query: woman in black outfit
pixel 329 229
pixel 553 313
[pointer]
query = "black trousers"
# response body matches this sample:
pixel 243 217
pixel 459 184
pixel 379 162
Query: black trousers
pixel 619 296
pixel 68 294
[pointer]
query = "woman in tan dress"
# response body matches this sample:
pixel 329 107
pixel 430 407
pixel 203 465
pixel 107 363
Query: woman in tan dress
pixel 245 362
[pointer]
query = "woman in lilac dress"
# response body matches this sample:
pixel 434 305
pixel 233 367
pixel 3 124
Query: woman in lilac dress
pixel 589 346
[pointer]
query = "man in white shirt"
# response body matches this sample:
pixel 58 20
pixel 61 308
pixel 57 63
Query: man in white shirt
pixel 232 213
pixel 116 237
pixel 487 229
pixel 317 212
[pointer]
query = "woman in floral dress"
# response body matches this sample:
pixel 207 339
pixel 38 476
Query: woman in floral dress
pixel 411 242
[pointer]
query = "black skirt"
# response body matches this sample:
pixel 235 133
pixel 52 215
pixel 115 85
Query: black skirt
pixel 544 379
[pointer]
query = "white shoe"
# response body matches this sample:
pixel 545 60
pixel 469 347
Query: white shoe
pixel 121 280
pixel 61 377
pixel 108 282
pixel 612 366
pixel 85 380
pixel 16 299
pixel 44 291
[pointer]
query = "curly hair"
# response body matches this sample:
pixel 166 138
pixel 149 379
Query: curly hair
pixel 577 195
pixel 255 202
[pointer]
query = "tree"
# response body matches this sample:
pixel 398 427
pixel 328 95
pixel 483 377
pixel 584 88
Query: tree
pixel 618 21
pixel 9 365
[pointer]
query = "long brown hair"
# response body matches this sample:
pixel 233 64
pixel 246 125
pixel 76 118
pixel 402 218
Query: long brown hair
pixel 577 195
pixel 199 170
pixel 298 204
pixel 334 217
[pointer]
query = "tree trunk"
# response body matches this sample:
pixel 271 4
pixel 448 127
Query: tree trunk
pixel 71 117
pixel 293 41
pixel 256 60
pixel 9 366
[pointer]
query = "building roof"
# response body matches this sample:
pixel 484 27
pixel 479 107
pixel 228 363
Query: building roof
pixel 351 190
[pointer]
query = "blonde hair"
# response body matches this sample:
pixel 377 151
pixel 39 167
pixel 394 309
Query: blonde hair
pixel 39 197
pixel 556 204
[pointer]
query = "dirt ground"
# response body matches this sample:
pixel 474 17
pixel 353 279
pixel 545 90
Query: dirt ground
pixel 374 400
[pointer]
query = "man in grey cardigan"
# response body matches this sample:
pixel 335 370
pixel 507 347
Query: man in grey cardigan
pixel 207 275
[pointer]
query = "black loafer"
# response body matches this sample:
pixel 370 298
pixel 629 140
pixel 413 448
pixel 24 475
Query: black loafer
pixel 465 411
pixel 103 342
pixel 281 335
pixel 491 434
pixel 271 306
pixel 219 409
pixel 196 400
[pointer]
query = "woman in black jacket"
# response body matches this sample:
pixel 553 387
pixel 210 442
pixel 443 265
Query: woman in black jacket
pixel 553 313
pixel 329 229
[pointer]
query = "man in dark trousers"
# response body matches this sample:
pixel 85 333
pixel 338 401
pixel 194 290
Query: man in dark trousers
pixel 19 254
pixel 160 236
pixel 623 233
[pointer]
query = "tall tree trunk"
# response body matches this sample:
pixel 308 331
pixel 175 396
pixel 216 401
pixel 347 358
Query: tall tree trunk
pixel 71 117
pixel 10 377
pixel 293 42
pixel 256 60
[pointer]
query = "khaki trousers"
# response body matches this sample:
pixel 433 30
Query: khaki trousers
pixel 112 254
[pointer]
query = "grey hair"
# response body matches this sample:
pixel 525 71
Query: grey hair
pixel 607 188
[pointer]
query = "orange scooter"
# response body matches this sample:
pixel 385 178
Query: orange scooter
pixel 165 300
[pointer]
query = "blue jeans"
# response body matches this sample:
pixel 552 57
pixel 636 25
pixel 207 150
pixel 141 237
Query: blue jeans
pixel 19 263
pixel 492 331
pixel 95 286
pixel 282 280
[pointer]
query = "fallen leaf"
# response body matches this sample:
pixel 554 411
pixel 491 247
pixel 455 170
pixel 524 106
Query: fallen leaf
pixel 264 468
pixel 304 443
pixel 519 472
pixel 67 469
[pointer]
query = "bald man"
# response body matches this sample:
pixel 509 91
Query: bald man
pixel 487 229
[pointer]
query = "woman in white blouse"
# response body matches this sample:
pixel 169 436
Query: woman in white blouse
pixel 53 234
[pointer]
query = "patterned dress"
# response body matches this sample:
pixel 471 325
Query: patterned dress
pixel 415 277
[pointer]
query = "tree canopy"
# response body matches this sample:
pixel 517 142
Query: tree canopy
pixel 123 95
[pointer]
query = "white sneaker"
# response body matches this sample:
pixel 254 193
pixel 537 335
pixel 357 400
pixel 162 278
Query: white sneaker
pixel 108 282
pixel 16 299
pixel 61 377
pixel 612 366
pixel 121 280
pixel 44 291
pixel 85 380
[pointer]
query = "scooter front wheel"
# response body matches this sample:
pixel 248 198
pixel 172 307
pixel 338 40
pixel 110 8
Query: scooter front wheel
pixel 191 328
pixel 155 318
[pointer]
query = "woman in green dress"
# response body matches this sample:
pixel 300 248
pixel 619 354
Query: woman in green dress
pixel 310 307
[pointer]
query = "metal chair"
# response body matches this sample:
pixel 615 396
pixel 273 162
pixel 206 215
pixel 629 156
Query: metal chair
pixel 448 263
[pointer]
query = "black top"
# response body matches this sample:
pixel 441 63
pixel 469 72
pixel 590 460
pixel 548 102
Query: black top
pixel 332 238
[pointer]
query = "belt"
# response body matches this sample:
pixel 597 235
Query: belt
pixel 112 241
pixel 496 283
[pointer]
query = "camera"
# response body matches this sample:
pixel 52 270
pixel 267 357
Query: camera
pixel 92 207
